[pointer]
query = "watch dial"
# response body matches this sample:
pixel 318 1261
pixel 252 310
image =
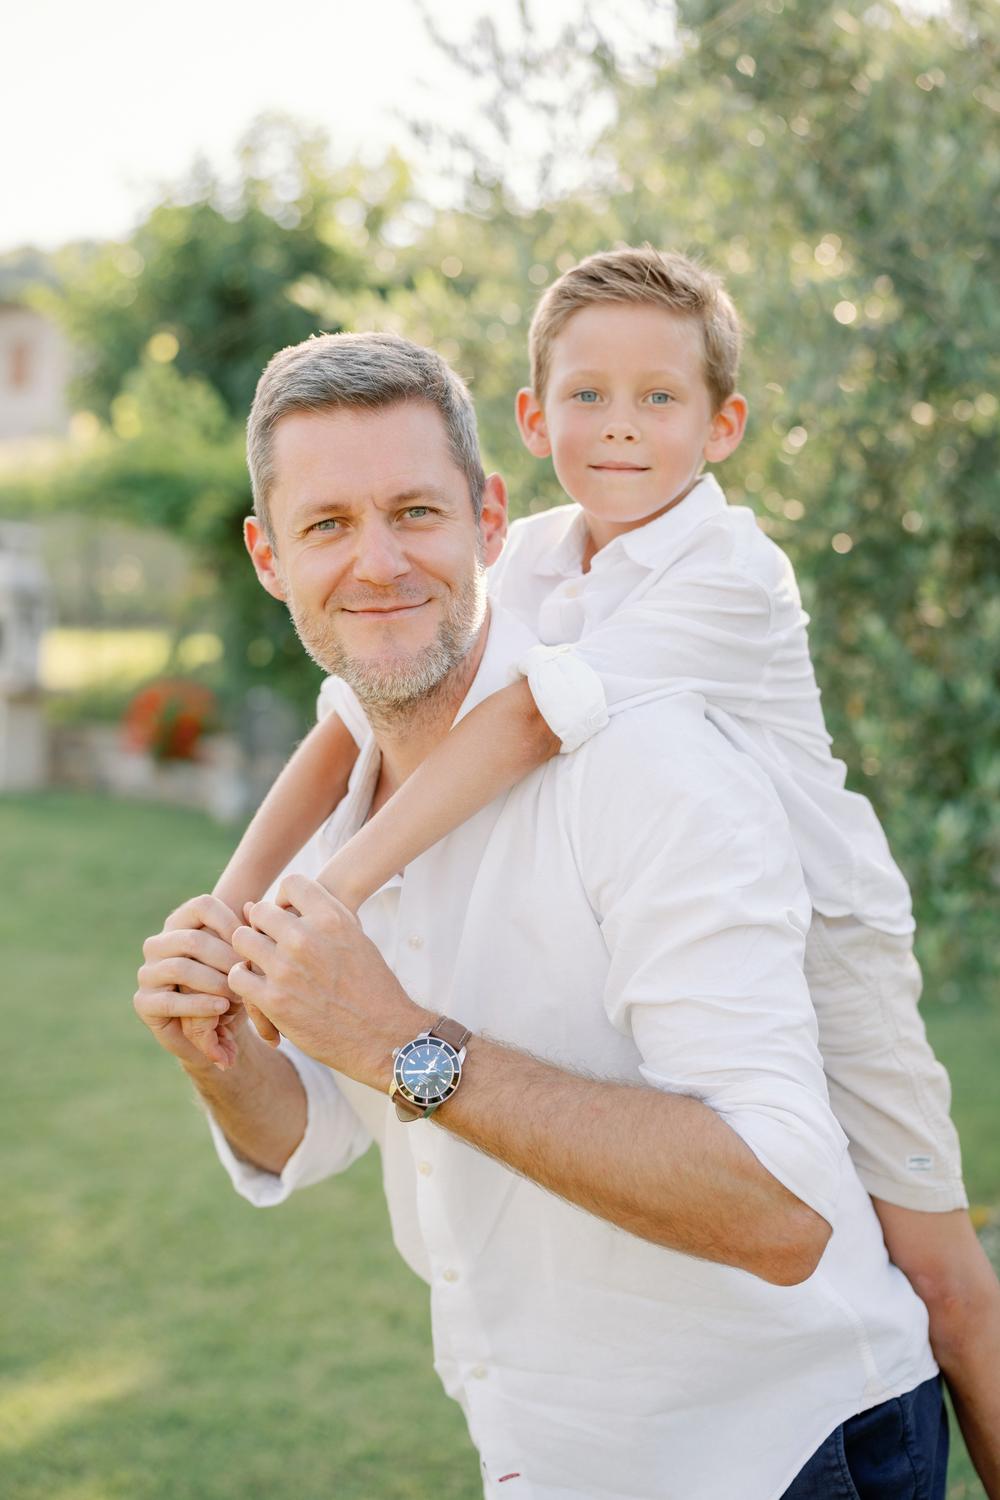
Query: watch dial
pixel 426 1069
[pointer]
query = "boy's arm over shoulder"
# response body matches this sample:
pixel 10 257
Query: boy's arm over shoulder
pixel 704 912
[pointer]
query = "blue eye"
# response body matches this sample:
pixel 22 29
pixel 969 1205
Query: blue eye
pixel 587 397
pixel 326 525
pixel 418 511
pixel 660 398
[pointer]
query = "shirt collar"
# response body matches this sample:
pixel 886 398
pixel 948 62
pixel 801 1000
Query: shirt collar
pixel 650 545
pixel 562 558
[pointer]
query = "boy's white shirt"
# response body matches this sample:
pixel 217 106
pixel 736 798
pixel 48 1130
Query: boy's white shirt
pixel 700 600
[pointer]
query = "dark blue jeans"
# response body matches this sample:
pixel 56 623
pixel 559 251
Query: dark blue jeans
pixel 896 1451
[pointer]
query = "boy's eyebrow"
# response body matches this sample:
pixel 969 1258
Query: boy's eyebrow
pixel 659 372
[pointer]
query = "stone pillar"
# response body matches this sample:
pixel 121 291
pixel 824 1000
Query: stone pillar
pixel 24 615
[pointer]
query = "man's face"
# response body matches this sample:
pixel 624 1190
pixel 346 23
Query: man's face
pixel 627 415
pixel 377 551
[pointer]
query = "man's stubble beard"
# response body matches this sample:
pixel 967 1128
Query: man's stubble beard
pixel 396 688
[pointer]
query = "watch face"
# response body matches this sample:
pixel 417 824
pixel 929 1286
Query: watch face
pixel 427 1070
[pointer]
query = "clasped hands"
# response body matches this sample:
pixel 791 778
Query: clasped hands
pixel 315 976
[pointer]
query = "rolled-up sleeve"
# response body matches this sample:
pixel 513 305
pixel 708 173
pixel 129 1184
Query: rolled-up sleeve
pixel 709 634
pixel 704 914
pixel 334 1138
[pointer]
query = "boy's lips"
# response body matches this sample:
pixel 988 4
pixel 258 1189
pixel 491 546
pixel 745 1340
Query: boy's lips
pixel 614 468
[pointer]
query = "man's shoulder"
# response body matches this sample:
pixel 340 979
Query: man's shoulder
pixel 664 754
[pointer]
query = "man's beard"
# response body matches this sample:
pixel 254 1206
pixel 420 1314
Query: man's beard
pixel 398 683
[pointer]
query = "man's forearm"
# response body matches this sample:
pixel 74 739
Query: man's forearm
pixel 259 1103
pixel 663 1166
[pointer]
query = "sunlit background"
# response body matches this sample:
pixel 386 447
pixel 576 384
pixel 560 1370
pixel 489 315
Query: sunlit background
pixel 186 190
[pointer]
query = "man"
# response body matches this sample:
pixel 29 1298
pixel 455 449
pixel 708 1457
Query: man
pixel 653 1271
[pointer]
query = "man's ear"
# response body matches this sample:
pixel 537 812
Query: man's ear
pixel 531 423
pixel 493 519
pixel 727 429
pixel 263 557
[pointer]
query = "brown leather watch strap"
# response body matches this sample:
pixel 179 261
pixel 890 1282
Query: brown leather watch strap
pixel 452 1032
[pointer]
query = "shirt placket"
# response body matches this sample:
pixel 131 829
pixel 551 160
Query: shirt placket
pixel 460 1342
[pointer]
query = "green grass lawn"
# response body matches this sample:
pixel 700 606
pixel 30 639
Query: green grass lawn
pixel 160 1339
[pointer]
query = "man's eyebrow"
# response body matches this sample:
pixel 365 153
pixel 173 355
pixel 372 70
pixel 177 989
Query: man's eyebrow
pixel 311 509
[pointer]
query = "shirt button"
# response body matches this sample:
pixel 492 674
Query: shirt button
pixel 415 942
pixel 424 1168
pixel 479 1372
pixel 451 1274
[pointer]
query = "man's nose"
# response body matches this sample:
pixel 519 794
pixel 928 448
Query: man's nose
pixel 379 556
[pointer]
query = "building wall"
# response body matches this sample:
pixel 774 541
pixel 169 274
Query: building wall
pixel 34 371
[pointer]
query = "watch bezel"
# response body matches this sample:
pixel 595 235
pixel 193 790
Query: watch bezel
pixel 426 1101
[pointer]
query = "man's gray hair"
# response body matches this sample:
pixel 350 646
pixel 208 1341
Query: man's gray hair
pixel 368 371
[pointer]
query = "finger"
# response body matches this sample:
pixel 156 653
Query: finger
pixel 163 1004
pixel 250 987
pixel 183 942
pixel 276 921
pixel 266 1029
pixel 186 971
pixel 254 946
pixel 201 1033
pixel 204 911
pixel 309 897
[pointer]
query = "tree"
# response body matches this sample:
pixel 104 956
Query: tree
pixel 173 327
pixel 841 167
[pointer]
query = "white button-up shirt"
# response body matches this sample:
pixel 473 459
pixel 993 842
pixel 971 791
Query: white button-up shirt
pixel 664 950
pixel 700 600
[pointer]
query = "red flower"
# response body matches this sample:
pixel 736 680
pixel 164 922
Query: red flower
pixel 168 718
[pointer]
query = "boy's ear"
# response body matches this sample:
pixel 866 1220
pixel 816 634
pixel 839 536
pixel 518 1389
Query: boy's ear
pixel 262 556
pixel 531 423
pixel 727 428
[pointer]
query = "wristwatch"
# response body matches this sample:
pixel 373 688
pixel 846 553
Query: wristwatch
pixel 428 1070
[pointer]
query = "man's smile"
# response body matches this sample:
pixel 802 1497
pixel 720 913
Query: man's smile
pixel 382 611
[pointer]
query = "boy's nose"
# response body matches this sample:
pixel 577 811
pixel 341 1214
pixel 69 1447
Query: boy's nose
pixel 620 430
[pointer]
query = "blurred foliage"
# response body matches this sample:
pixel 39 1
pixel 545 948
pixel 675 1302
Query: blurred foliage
pixel 173 328
pixel 840 165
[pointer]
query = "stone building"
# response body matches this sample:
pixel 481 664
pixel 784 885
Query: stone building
pixel 35 359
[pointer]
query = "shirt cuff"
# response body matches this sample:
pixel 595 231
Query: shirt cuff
pixel 334 1137
pixel 568 693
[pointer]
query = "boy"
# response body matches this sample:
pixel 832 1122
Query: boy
pixel 662 587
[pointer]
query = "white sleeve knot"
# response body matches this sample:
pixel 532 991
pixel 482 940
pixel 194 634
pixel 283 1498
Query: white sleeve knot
pixel 569 694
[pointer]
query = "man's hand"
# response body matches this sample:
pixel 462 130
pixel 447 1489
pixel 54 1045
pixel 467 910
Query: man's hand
pixel 323 983
pixel 193 950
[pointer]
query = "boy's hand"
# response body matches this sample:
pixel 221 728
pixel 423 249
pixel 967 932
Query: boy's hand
pixel 183 996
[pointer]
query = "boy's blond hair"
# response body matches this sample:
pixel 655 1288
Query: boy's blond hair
pixel 644 277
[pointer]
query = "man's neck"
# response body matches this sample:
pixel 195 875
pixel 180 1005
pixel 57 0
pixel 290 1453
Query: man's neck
pixel 406 735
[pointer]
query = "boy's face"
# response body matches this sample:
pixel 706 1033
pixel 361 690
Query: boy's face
pixel 627 416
